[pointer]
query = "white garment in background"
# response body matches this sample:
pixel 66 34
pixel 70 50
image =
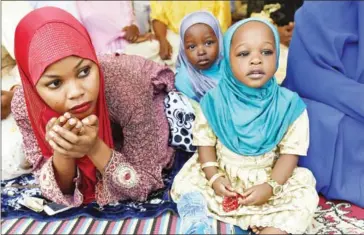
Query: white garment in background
pixel 12 154
pixel 11 13
pixel 142 13
pixel 69 6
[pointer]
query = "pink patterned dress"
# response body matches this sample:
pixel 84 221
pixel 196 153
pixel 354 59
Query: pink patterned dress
pixel 135 89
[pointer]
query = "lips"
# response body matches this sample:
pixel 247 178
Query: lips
pixel 256 74
pixel 203 62
pixel 81 108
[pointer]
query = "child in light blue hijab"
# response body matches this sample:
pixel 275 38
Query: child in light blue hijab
pixel 200 54
pixel 198 71
pixel 250 132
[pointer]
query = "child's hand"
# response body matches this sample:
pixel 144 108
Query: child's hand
pixel 256 195
pixel 222 187
pixel 145 37
pixel 6 97
pixel 165 49
pixel 131 33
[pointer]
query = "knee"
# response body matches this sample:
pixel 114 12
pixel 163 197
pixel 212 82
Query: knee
pixel 304 176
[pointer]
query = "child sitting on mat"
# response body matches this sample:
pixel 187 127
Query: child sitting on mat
pixel 249 133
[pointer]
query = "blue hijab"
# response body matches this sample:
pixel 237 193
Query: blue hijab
pixel 190 81
pixel 250 121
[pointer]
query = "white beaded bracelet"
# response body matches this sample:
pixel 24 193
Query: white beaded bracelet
pixel 214 178
pixel 209 164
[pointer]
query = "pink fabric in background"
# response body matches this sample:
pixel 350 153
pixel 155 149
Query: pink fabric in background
pixel 104 21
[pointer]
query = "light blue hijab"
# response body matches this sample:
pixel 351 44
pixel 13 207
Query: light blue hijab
pixel 250 121
pixel 190 81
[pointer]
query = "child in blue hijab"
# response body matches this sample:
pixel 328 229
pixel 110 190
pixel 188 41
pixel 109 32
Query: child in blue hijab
pixel 200 54
pixel 250 132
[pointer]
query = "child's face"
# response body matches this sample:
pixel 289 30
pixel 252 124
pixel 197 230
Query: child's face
pixel 201 46
pixel 253 54
pixel 70 85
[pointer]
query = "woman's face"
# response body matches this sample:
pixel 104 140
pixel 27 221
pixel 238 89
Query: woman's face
pixel 253 54
pixel 70 85
pixel 201 46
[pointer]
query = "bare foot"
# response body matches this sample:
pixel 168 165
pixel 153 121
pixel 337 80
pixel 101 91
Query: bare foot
pixel 256 229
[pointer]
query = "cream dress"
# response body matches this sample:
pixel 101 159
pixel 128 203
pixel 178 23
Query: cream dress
pixel 291 211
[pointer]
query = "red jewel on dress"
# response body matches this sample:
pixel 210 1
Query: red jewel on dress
pixel 127 176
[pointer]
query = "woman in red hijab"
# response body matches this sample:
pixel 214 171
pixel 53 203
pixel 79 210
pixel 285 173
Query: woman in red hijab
pixel 68 103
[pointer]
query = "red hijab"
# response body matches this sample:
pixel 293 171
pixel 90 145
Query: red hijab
pixel 44 36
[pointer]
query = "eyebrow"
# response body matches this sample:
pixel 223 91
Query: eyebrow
pixel 78 65
pixel 57 76
pixel 240 44
pixel 51 76
pixel 269 43
pixel 209 36
pixel 206 37
pixel 189 41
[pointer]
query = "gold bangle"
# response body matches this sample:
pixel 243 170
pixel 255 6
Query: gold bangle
pixel 209 164
pixel 214 178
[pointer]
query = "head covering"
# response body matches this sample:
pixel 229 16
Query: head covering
pixel 250 121
pixel 44 36
pixel 200 81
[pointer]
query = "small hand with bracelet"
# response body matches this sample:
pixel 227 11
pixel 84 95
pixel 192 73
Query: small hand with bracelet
pixel 220 184
pixel 261 193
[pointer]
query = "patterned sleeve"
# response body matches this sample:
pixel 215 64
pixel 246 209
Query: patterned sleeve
pixel 202 133
pixel 157 11
pixel 135 90
pixel 296 140
pixel 42 167
pixel 223 14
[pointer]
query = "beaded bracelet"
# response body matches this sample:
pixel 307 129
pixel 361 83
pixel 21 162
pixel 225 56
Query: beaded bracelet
pixel 209 164
pixel 214 178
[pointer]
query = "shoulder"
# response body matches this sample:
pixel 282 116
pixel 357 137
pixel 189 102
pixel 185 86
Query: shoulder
pixel 289 94
pixel 123 71
pixel 120 64
pixel 302 119
pixel 125 81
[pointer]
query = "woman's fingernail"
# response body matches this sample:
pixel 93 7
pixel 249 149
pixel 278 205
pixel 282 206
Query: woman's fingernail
pixel 86 121
pixel 72 121
pixel 56 128
pixel 81 131
pixel 79 125
pixel 62 119
pixel 67 115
